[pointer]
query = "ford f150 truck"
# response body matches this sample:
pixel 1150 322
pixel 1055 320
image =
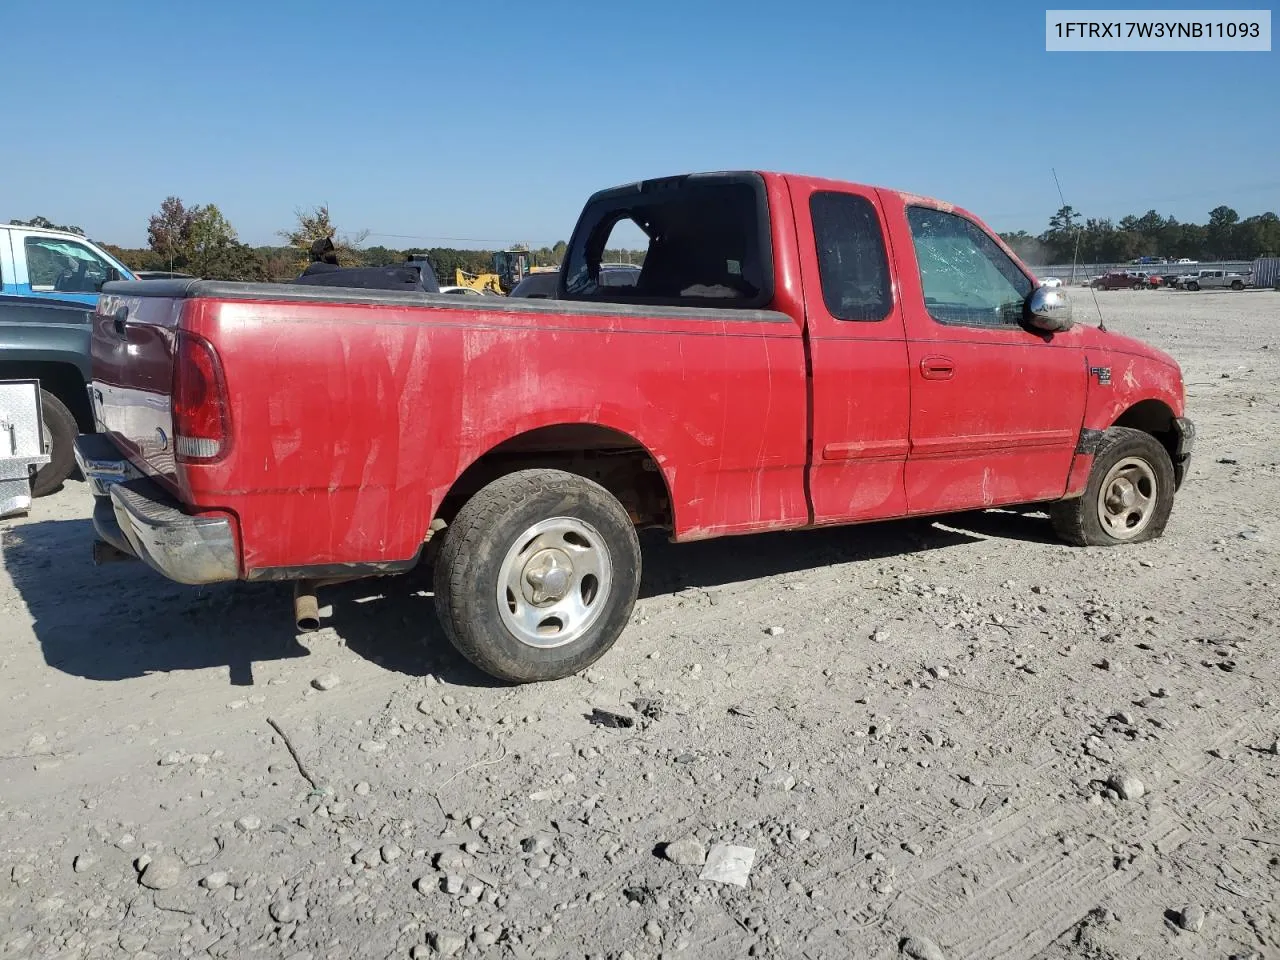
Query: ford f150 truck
pixel 49 283
pixel 795 353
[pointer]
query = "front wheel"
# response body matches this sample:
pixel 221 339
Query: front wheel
pixel 537 575
pixel 1237 284
pixel 1128 497
pixel 1193 285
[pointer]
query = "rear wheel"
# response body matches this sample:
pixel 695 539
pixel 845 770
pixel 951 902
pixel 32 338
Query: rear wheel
pixel 1138 286
pixel 537 575
pixel 1128 497
pixel 60 431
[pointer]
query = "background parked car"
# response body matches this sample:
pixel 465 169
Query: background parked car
pixel 49 283
pixel 1120 280
pixel 1217 280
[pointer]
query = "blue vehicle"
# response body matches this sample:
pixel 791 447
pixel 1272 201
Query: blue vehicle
pixel 49 283
pixel 53 265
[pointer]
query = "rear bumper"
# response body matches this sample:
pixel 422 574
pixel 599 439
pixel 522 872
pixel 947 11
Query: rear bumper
pixel 135 516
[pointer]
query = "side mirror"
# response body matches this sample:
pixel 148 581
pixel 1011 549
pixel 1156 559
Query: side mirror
pixel 1048 309
pixel 112 275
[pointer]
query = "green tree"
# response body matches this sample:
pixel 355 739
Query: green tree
pixel 201 241
pixel 44 223
pixel 379 256
pixel 1257 236
pixel 1220 231
pixel 215 252
pixel 169 231
pixel 317 224
pixel 1062 236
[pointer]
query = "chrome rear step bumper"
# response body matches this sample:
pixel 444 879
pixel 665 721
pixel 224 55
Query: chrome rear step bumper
pixel 135 516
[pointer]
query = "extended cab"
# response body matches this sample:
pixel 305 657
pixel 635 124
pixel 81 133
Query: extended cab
pixel 49 283
pixel 795 353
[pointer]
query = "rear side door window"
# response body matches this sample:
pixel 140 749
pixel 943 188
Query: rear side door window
pixel 55 265
pixel 853 264
pixel 967 279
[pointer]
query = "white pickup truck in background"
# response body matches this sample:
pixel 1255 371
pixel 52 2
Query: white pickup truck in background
pixel 1215 280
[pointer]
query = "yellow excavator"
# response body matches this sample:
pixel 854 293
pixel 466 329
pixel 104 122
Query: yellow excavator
pixel 509 268
pixel 480 282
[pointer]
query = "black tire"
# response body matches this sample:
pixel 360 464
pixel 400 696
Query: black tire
pixel 1237 284
pixel 62 427
pixel 1138 286
pixel 490 531
pixel 1193 285
pixel 1080 521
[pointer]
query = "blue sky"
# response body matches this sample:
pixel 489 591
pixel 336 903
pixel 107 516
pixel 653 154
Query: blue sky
pixel 422 120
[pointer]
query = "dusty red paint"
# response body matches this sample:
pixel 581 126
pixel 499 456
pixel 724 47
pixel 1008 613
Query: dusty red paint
pixel 350 423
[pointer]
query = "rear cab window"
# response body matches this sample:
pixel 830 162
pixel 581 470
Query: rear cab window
pixel 705 239
pixel 966 278
pixel 853 264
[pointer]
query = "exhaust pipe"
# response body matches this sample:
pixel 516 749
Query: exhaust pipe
pixel 306 607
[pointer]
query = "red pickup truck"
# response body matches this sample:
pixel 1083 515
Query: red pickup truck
pixel 794 353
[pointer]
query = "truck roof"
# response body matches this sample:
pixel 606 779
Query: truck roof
pixel 652 183
pixel 49 230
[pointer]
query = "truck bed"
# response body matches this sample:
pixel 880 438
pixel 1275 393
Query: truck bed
pixel 316 478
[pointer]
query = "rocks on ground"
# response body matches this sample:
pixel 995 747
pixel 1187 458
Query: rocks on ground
pixel 162 873
pixel 1191 918
pixel 687 852
pixel 1127 786
pixel 921 948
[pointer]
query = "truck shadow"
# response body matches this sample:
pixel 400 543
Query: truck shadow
pixel 123 621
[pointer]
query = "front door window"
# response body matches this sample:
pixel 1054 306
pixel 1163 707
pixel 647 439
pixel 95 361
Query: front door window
pixel 55 265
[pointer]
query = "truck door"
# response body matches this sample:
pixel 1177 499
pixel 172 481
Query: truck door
pixel 858 355
pixel 996 408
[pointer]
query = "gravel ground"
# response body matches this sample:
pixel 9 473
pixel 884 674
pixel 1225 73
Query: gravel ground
pixel 950 739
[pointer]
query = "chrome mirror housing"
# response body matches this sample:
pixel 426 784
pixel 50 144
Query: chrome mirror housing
pixel 1049 309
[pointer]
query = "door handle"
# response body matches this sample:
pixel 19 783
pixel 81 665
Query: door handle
pixel 118 321
pixel 937 368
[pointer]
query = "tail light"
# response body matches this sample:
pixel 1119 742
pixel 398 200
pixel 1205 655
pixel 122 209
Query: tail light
pixel 201 418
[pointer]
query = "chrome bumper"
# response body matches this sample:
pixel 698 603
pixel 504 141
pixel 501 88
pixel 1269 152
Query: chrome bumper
pixel 135 516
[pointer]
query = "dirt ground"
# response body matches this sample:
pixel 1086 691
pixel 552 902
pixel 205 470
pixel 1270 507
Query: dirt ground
pixel 911 724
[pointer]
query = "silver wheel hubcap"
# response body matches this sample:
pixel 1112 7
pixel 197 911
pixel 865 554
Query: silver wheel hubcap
pixel 554 582
pixel 1127 498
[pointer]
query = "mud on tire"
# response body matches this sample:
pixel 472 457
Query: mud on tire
pixel 1128 497
pixel 537 575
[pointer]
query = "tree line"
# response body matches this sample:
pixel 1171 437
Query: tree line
pixel 198 239
pixel 1073 238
